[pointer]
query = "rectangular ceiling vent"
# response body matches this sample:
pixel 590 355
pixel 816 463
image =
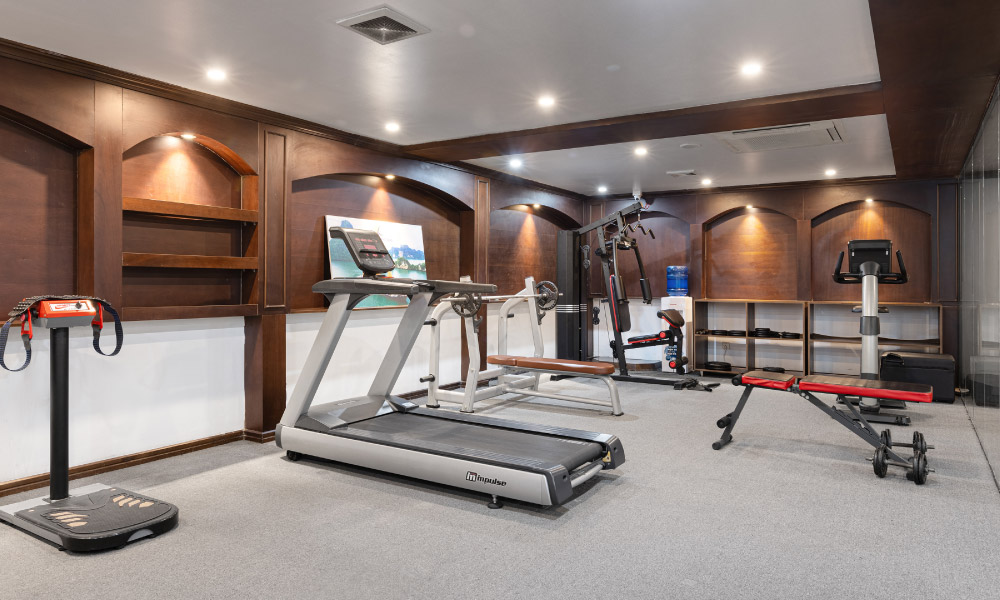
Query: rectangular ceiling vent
pixel 682 173
pixel 383 25
pixel 819 133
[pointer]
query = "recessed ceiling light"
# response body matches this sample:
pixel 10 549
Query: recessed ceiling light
pixel 536 205
pixel 641 151
pixel 869 199
pixel 390 177
pixel 602 189
pixel 749 205
pixel 706 181
pixel 830 172
pixel 751 69
pixel 546 101
pixel 216 74
pixel 188 136
pixel 392 126
pixel 515 163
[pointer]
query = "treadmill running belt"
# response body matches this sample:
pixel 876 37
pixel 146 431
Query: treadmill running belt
pixel 402 427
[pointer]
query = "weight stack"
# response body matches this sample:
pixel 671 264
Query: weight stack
pixel 571 309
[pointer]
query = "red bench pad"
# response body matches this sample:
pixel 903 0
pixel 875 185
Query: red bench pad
pixel 867 388
pixel 768 379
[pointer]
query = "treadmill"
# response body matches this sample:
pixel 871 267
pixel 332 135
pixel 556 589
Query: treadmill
pixel 504 459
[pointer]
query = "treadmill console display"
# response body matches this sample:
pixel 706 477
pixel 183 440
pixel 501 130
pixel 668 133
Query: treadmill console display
pixel 876 251
pixel 366 249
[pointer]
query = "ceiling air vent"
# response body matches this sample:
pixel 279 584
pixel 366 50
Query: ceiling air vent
pixel 682 173
pixel 819 133
pixel 383 25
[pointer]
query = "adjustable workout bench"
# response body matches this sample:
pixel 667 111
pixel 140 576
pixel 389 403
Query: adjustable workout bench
pixel 885 456
pixel 513 374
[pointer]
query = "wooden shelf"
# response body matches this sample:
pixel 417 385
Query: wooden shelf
pixel 166 208
pixel 189 261
pixel 153 313
pixel 724 337
pixel 846 341
pixel 740 371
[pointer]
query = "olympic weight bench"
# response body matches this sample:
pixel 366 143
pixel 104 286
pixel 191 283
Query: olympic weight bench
pixel 916 466
pixel 561 366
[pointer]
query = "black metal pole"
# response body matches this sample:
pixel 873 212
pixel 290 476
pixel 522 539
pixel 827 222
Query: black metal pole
pixel 59 415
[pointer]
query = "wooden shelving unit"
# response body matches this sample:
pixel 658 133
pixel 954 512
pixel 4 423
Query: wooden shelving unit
pixel 833 331
pixel 166 208
pixel 751 352
pixel 189 261
pixel 189 251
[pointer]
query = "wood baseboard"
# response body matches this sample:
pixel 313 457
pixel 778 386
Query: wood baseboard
pixel 121 462
pixel 260 437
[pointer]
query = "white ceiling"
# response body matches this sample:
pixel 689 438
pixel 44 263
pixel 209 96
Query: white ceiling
pixel 482 66
pixel 864 152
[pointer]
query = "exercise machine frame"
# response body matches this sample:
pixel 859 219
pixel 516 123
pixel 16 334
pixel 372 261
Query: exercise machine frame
pixel 508 379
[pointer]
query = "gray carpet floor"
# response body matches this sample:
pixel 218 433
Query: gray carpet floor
pixel 791 509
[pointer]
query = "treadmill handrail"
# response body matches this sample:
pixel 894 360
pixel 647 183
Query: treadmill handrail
pixel 364 285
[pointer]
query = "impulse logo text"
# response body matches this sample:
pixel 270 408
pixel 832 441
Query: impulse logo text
pixel 470 476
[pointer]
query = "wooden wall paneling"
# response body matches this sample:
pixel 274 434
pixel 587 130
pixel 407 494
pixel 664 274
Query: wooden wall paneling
pixel 155 287
pixel 819 199
pixel 275 186
pixel 909 229
pixel 749 253
pixel 802 268
pixel 58 105
pixel 312 156
pixel 696 262
pixel 175 170
pixel 521 244
pixel 313 198
pixel 264 374
pixel 146 116
pixel 787 201
pixel 504 194
pixel 38 199
pixel 474 260
pixel 670 247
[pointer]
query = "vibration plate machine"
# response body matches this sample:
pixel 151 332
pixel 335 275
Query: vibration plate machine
pixel 96 516
pixel 533 463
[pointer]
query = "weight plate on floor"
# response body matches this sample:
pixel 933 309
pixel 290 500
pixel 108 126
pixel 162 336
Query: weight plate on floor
pixel 886 437
pixel 919 464
pixel 919 443
pixel 880 462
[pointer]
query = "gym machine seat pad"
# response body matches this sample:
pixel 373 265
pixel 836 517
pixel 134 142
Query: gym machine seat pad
pixel 562 365
pixel 769 379
pixel 867 388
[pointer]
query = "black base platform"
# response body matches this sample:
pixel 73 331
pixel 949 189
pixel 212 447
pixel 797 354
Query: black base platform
pixel 94 518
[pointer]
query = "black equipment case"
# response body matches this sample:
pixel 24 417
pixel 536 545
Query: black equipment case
pixel 935 370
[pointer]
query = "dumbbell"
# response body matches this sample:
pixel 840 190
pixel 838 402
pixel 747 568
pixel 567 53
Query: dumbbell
pixel 916 469
pixel 919 444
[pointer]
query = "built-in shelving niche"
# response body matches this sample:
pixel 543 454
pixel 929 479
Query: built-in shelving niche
pixel 189 230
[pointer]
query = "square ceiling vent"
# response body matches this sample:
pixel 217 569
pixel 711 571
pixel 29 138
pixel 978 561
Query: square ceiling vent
pixel 783 137
pixel 384 25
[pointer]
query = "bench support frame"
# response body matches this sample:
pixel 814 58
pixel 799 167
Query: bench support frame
pixel 508 380
pixel 856 423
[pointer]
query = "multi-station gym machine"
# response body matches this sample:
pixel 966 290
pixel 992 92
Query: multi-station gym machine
pixel 573 256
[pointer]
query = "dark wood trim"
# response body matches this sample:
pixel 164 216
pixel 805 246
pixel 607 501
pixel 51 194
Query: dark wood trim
pixel 939 63
pixel 768 186
pixel 113 464
pixel 188 261
pixel 785 109
pixel 101 73
pixel 166 208
pixel 154 313
pixel 260 437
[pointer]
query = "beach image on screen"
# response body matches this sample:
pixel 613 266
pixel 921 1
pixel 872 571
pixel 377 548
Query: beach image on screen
pixel 405 244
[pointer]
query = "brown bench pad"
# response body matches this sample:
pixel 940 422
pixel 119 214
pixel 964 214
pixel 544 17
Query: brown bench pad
pixel 867 388
pixel 552 364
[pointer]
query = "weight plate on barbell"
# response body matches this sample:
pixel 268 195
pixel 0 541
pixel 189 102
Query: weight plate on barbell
pixel 548 295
